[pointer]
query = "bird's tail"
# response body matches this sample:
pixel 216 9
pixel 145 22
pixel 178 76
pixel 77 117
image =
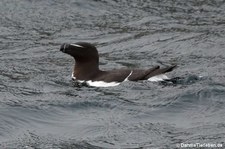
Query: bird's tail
pixel 159 71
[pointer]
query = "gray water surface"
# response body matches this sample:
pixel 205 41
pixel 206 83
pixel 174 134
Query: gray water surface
pixel 41 107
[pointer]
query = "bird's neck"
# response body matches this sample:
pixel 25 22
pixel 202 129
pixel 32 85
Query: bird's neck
pixel 84 70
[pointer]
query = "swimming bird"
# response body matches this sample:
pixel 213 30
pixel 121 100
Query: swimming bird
pixel 86 68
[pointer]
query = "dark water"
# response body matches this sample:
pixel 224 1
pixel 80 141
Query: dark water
pixel 40 107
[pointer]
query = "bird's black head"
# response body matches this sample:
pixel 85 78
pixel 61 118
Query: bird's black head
pixel 81 51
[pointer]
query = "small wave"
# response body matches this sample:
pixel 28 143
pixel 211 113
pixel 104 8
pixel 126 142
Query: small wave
pixel 187 80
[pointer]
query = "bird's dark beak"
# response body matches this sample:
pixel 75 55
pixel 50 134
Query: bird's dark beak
pixel 63 47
